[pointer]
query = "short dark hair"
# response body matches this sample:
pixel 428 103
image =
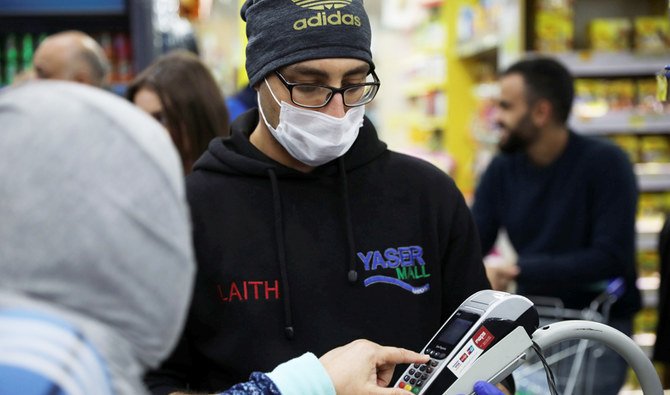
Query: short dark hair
pixel 193 104
pixel 546 78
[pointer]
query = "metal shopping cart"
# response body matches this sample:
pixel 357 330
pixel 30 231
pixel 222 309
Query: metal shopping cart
pixel 571 362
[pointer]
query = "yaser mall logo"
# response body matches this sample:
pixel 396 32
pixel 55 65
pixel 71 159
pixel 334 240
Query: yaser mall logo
pixel 407 262
pixel 324 18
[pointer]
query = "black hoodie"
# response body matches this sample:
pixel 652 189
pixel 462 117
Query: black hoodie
pixel 375 245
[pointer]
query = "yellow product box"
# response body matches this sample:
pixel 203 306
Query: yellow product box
pixel 601 89
pixel 630 144
pixel 610 34
pixel 655 149
pixel 654 204
pixel 590 98
pixel 646 95
pixel 584 96
pixel 554 32
pixel 621 94
pixel 645 321
pixel 647 263
pixel 563 7
pixel 652 34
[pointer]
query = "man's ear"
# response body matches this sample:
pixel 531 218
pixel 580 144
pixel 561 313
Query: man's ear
pixel 82 76
pixel 542 112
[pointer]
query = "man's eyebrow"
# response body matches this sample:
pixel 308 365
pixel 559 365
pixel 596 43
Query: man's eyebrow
pixel 314 72
pixel 362 69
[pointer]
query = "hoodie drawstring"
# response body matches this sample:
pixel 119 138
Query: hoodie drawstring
pixel 352 274
pixel 281 254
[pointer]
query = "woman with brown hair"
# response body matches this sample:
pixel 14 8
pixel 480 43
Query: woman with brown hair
pixel 181 93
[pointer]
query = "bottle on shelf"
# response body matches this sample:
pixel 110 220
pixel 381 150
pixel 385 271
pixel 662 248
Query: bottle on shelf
pixel 11 59
pixel 27 51
pixel 122 57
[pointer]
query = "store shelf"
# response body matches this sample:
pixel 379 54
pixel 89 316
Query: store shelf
pixel 612 64
pixel 60 8
pixel 622 122
pixel 648 287
pixel 478 46
pixel 647 232
pixel 645 341
pixel 653 177
pixel 423 88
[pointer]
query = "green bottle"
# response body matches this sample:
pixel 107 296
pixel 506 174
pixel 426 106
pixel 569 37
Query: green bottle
pixel 11 59
pixel 27 50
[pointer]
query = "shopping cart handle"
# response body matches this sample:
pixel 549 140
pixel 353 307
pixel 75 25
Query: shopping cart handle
pixel 620 343
pixel 616 287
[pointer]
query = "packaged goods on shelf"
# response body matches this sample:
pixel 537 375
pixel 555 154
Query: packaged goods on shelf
pixel 647 263
pixel 630 144
pixel 652 34
pixel 653 206
pixel 11 61
pixel 645 321
pixel 610 34
pixel 122 63
pixel 27 50
pixel 105 41
pixel 596 97
pixel 554 32
pixel 662 79
pixel 18 50
pixel 478 20
pixel 620 93
pixel 554 27
pixel 646 96
pixel 590 98
pixel 655 149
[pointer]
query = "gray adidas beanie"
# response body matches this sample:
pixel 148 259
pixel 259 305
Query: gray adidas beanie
pixel 284 32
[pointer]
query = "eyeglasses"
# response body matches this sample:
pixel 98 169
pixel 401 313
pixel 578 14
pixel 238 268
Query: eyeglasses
pixel 317 96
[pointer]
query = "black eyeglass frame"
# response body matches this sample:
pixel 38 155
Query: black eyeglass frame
pixel 290 85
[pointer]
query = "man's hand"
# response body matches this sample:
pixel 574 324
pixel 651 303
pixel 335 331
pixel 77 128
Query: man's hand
pixel 364 367
pixel 500 276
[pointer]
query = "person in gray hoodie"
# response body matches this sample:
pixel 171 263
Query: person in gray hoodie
pixel 94 231
pixel 96 261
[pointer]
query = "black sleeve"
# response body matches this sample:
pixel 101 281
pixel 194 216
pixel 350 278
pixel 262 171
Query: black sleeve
pixel 463 266
pixel 173 374
pixel 662 345
pixel 508 382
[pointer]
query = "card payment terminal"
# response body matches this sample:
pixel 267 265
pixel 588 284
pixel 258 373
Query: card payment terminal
pixel 477 326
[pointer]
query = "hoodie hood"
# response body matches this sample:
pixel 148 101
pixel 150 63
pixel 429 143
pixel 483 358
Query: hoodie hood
pixel 95 224
pixel 236 154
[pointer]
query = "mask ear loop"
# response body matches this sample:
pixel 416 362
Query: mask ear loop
pixel 271 92
pixel 260 108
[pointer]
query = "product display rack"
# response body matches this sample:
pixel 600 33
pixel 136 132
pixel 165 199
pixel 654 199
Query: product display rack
pixel 130 24
pixel 415 100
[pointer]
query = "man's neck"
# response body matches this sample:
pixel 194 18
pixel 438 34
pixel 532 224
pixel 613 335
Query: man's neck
pixel 262 139
pixel 549 146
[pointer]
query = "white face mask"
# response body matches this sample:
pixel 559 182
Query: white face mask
pixel 312 137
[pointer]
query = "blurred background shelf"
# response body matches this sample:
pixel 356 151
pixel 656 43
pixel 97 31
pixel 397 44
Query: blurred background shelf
pixel 623 122
pixel 612 64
